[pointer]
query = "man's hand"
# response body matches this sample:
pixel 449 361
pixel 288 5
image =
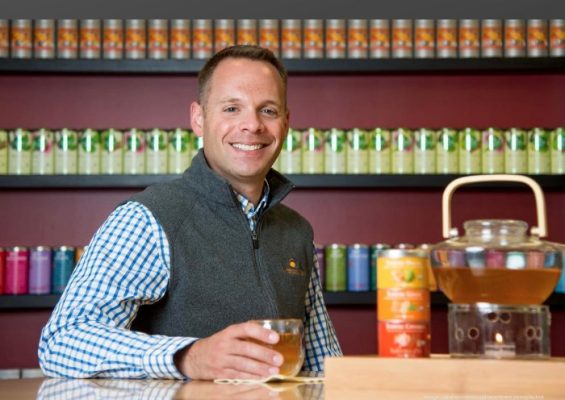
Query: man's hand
pixel 230 353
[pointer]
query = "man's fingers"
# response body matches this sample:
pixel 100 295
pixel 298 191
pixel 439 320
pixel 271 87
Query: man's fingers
pixel 258 352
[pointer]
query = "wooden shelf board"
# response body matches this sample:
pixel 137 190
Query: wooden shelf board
pixel 302 181
pixel 294 66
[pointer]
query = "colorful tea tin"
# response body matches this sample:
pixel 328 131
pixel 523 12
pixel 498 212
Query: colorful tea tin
pixel 89 152
pixel 335 152
pixel 180 152
pixel 66 151
pixel 402 151
pixel 403 304
pixel 40 270
pixel 358 151
pixel 17 270
pixel 156 153
pixel 358 262
pixel 538 151
pixel 312 151
pixel 336 265
pixel 63 265
pixel 399 268
pixel 380 151
pixel 404 339
pixel 43 154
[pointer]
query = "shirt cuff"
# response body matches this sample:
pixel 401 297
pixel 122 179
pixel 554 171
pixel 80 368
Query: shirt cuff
pixel 159 363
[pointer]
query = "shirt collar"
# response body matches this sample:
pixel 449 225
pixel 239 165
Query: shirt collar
pixel 248 207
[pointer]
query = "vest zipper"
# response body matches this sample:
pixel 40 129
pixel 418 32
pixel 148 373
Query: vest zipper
pixel 262 273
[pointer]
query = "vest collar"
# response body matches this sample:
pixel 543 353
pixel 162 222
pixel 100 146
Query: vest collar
pixel 217 189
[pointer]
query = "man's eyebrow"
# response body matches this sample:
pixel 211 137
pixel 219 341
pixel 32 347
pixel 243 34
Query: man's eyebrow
pixel 273 102
pixel 230 100
pixel 237 100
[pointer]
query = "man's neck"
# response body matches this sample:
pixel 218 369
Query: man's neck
pixel 251 191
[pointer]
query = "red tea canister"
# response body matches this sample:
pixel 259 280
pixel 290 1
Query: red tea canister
pixel 17 270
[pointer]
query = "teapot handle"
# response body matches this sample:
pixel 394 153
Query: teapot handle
pixel 448 231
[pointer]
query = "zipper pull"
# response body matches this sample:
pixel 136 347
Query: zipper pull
pixel 255 240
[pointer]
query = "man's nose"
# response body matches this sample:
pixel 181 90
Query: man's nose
pixel 251 122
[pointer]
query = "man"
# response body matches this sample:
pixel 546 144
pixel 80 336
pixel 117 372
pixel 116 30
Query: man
pixel 167 284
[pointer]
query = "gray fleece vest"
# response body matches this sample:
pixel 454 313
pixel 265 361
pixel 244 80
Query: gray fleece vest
pixel 221 273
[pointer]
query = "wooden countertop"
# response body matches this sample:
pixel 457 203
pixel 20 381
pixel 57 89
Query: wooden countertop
pixel 347 378
pixel 108 389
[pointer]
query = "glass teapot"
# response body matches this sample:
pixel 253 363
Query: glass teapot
pixel 496 261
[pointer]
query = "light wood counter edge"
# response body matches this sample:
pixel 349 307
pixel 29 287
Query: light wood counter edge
pixel 427 378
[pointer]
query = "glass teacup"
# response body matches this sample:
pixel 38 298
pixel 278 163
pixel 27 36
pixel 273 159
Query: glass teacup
pixel 290 344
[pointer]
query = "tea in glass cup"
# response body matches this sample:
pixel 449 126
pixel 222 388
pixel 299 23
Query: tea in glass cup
pixel 290 344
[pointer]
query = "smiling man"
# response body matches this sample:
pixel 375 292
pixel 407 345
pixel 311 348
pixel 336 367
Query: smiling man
pixel 169 283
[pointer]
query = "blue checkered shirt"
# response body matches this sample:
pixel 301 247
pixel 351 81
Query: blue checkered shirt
pixel 88 333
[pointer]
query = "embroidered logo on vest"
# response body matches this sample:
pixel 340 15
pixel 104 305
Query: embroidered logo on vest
pixel 294 268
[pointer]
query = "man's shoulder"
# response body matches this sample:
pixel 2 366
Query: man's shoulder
pixel 164 194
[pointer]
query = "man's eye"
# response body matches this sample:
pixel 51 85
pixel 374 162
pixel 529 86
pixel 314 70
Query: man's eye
pixel 270 111
pixel 230 109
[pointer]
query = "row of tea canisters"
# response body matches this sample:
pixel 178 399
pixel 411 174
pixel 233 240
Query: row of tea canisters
pixel 308 151
pixel 37 270
pixel 423 151
pixel 288 38
pixel 91 152
pixel 353 267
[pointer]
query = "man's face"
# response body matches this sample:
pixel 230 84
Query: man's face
pixel 243 120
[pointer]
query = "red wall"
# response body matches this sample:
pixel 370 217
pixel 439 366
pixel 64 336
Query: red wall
pixel 70 217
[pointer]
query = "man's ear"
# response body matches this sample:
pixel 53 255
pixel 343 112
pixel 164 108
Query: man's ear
pixel 197 118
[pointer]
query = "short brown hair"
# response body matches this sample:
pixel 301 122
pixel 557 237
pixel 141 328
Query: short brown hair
pixel 254 53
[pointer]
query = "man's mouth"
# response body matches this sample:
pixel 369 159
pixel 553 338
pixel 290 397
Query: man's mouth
pixel 247 147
